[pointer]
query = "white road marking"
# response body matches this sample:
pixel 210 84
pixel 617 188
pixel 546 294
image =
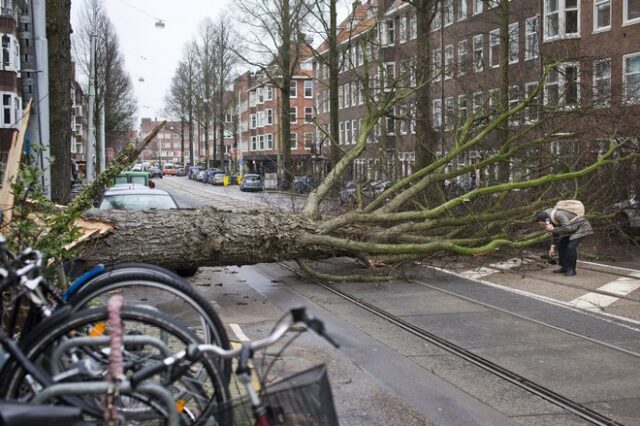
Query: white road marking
pixel 596 301
pixel 238 332
pixel 483 271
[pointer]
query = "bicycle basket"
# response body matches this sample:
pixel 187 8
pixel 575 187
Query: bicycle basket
pixel 304 398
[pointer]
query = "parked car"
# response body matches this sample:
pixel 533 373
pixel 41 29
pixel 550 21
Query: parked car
pixel 155 172
pixel 193 172
pixel 218 179
pixel 208 175
pixel 137 167
pixel 136 198
pixel 251 182
pixel 140 178
pixel 169 170
pixel 303 184
pixel 200 175
pixel 181 171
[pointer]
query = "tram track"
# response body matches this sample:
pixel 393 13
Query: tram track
pixel 574 407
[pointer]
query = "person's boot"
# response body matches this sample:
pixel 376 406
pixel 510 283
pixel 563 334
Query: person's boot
pixel 559 271
pixel 570 273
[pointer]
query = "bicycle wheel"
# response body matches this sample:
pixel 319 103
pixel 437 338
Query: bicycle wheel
pixel 88 362
pixel 171 294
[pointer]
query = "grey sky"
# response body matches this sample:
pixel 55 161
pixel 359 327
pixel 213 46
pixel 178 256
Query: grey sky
pixel 151 53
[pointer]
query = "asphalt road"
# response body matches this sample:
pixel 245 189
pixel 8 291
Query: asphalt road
pixel 519 315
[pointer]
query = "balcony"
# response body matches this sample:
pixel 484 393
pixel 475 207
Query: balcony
pixel 7 12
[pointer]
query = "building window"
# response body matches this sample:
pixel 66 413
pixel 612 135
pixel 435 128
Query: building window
pixel 347 132
pixel 448 62
pixel 631 78
pixel 390 33
pixel 269 116
pixel 631 11
pixel 436 58
pixel 561 86
pixel 293 140
pixel 413 27
pixel 531 47
pixel 390 75
pixel 477 6
pixel 602 82
pixel 436 112
pixel 354 131
pixel 601 15
pixel 494 48
pixel 531 112
pixel 308 140
pixel 390 123
pixel 449 113
pixel 347 95
pixel 340 133
pixel 293 111
pixel 514 42
pixel 462 9
pixel 463 109
pixel 293 89
pixel 478 100
pixel 261 142
pixel 308 89
pixel 448 12
pixel 403 121
pixel 253 123
pixel 462 56
pixel 478 56
pixel 269 139
pixel 403 29
pixel 340 97
pixel 308 115
pixel 561 18
pixel 514 98
pixel 436 21
pixel 254 146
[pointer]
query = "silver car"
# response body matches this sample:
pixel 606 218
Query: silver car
pixel 251 182
pixel 139 198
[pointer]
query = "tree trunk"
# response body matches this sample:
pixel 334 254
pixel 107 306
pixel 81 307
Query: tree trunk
pixel 200 237
pixel 59 42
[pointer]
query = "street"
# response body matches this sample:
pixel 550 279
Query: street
pixel 573 338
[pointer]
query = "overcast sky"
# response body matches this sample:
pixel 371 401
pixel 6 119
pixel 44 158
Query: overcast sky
pixel 150 53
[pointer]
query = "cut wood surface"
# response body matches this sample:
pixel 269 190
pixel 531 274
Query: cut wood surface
pixel 13 166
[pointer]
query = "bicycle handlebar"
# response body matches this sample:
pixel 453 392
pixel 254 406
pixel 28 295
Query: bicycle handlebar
pixel 194 352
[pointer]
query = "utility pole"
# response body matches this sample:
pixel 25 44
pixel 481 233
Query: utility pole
pixel 40 123
pixel 92 95
pixel 101 139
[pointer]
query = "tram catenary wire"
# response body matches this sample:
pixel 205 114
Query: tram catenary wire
pixel 547 394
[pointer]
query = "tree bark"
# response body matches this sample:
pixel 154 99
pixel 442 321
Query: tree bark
pixel 201 237
pixel 59 42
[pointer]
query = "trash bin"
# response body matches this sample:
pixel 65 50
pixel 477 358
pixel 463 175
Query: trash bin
pixel 225 180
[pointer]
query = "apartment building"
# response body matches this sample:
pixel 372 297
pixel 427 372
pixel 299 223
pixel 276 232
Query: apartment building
pixel 166 147
pixel 10 72
pixel 597 81
pixel 257 108
pixel 79 125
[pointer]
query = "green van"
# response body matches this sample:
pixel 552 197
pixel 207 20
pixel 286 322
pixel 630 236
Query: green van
pixel 140 178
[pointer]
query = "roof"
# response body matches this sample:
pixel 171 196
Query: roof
pixel 361 20
pixel 133 190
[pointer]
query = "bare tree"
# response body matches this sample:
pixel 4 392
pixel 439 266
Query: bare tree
pixel 273 43
pixel 113 87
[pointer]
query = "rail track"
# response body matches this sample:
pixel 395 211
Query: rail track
pixel 578 409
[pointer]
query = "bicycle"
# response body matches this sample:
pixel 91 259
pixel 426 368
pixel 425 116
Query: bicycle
pixel 301 399
pixel 133 280
pixel 197 387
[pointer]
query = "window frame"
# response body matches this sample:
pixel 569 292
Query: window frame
pixel 626 99
pixel 561 11
pixel 293 89
pixel 625 15
pixel 478 67
pixel 597 3
pixel 534 35
pixel 596 97
pixel 310 82
pixel 293 118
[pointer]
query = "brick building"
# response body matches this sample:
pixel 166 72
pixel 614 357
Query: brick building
pixel 166 147
pixel 595 88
